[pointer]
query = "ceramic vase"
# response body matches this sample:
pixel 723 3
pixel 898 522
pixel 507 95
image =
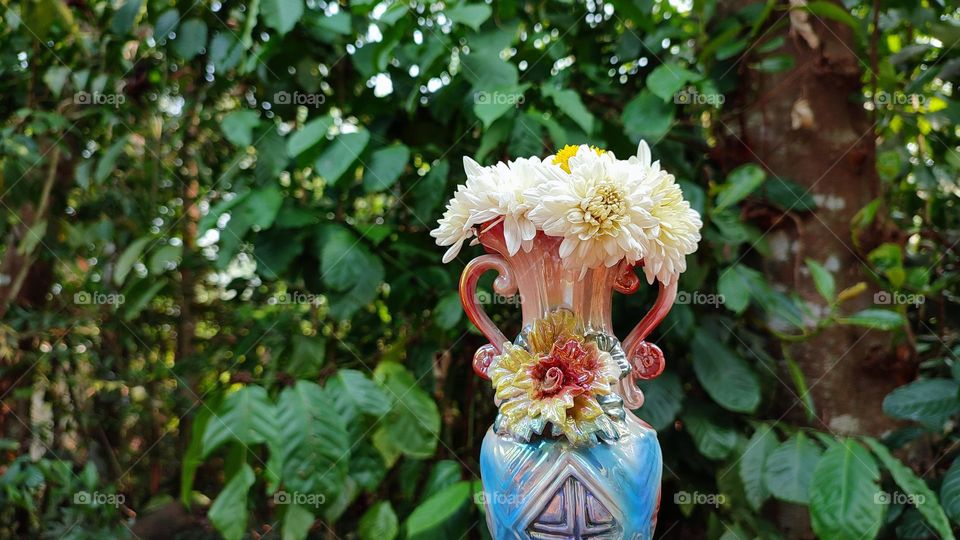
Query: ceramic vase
pixel 596 473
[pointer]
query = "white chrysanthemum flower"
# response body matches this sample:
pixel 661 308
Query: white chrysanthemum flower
pixel 600 208
pixel 677 229
pixel 503 190
pixel 516 197
pixel 455 226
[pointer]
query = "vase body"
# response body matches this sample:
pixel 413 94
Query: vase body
pixel 551 489
pixel 540 480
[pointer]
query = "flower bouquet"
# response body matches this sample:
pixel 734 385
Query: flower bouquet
pixel 565 457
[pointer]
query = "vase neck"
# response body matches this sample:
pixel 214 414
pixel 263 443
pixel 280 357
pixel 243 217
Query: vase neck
pixel 545 285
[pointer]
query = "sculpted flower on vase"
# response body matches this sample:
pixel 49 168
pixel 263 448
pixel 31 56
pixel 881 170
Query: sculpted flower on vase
pixel 555 380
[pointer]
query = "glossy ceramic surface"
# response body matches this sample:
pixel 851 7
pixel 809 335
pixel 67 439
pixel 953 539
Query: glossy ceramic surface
pixel 551 489
pixel 597 474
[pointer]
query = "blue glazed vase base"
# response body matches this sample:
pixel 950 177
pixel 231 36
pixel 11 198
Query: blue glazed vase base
pixel 552 489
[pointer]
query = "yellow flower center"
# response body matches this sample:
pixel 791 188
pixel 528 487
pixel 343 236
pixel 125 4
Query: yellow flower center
pixel 562 158
pixel 605 208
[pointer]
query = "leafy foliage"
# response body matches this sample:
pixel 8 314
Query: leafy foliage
pixel 219 293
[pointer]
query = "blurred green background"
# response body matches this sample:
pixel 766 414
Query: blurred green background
pixel 223 316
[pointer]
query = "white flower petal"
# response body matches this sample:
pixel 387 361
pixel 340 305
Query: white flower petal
pixel 643 154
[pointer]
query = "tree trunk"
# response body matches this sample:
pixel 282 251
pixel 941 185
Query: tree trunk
pixel 808 124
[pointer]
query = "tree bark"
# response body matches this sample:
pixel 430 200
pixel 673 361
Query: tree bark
pixel 808 124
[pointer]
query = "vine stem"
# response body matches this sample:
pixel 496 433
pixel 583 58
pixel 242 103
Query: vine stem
pixel 24 269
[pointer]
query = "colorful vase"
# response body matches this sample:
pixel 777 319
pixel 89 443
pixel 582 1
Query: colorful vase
pixel 566 457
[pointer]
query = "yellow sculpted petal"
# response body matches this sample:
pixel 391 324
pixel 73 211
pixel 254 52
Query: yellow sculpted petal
pixel 513 361
pixel 560 323
pixel 555 409
pixel 515 408
pixel 585 409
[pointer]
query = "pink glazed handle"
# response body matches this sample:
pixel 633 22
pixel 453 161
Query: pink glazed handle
pixel 646 359
pixel 653 318
pixel 504 285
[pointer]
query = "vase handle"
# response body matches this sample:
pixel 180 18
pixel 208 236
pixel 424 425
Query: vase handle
pixel 646 359
pixel 504 285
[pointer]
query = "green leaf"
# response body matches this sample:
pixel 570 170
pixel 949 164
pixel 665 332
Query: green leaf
pixel 310 136
pixel 771 45
pixel 486 71
pixel 444 474
pixel 753 462
pixel 375 233
pixel 731 49
pixel 337 24
pixel 734 286
pixel 246 416
pixel 128 258
pixel 448 311
pixel 741 182
pixel 428 192
pixel 888 259
pixel 349 268
pixel 929 401
pixel 367 467
pixel 314 443
pixel 490 105
pixel 363 394
pixel 384 167
pixel 888 165
pixel 228 513
pixel 413 424
pixel 667 79
pixel 340 154
pixel 877 319
pixel 166 23
pixel 647 117
pixel 342 256
pixel 282 15
pixel 724 375
pixel 472 15
pixel 261 207
pixel 55 78
pixel 950 491
pixel 272 156
pixel 140 295
pixel 713 439
pixel 123 19
pixel 774 64
pixel 226 51
pixel 297 521
pixel 379 523
pixel 822 280
pixel 276 248
pixel 662 400
pixel 191 39
pixel 193 457
pixel 444 515
pixel 307 356
pixel 823 8
pixel 790 467
pixel 164 258
pixel 238 126
pixel 569 102
pixel 843 494
pixel 108 161
pixel 787 194
pixel 923 497
pixel 32 237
